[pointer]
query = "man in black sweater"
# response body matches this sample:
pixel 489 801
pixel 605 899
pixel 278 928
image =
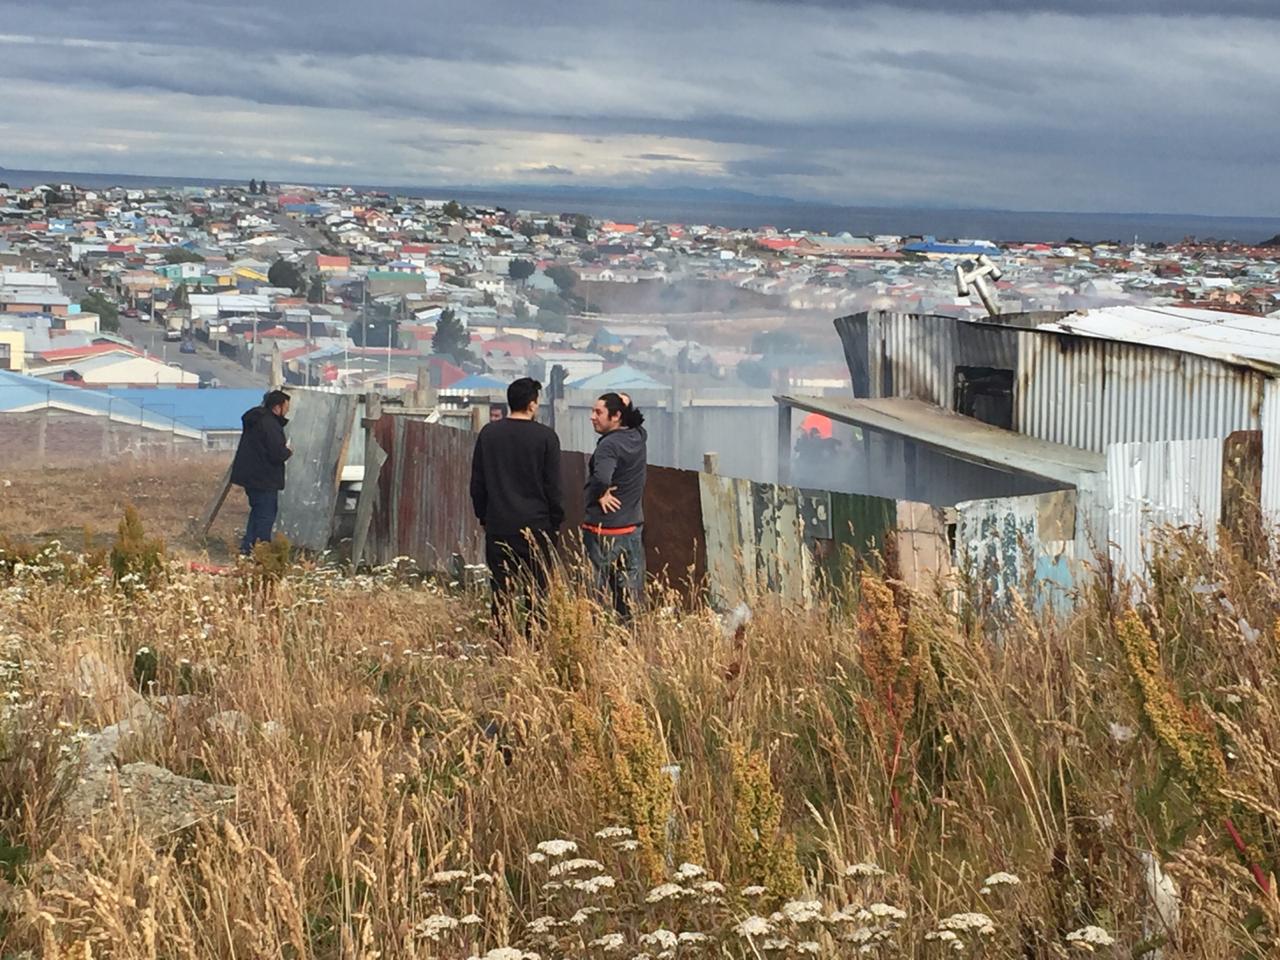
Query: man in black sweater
pixel 259 465
pixel 515 489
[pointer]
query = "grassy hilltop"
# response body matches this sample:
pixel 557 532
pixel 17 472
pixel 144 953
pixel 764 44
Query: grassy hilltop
pixel 292 762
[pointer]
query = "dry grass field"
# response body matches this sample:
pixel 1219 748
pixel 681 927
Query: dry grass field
pixel 288 763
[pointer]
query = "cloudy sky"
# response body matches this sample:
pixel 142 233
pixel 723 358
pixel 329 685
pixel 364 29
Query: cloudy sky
pixel 1021 104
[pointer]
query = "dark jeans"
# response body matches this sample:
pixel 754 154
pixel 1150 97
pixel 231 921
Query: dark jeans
pixel 618 565
pixel 263 505
pixel 518 571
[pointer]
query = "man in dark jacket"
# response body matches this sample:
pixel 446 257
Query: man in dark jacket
pixel 259 465
pixel 515 490
pixel 613 531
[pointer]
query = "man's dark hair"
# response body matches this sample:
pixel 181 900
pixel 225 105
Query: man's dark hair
pixel 521 393
pixel 273 398
pixel 613 402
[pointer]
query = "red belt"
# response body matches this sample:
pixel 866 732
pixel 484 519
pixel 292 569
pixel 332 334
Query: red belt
pixel 610 531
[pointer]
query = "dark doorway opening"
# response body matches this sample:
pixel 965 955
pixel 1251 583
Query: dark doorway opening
pixel 986 394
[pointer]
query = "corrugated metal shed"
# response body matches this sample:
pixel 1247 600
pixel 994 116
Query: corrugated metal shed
pixel 1089 393
pixel 1080 379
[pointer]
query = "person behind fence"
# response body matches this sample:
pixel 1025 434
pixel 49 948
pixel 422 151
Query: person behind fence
pixel 613 530
pixel 258 466
pixel 515 490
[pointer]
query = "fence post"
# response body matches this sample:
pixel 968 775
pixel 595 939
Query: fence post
pixel 711 463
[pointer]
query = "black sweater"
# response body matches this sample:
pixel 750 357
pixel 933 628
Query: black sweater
pixel 515 478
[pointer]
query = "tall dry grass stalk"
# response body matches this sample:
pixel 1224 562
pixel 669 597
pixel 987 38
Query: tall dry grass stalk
pixel 891 783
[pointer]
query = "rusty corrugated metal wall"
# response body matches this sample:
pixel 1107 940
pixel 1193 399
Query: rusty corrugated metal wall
pixel 424 509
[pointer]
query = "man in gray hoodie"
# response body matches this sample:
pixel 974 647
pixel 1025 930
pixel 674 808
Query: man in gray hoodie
pixel 613 529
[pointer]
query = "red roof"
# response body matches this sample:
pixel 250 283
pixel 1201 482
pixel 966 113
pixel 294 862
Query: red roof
pixel 120 248
pixel 416 248
pixel 326 261
pixel 512 346
pixel 274 333
pixel 79 353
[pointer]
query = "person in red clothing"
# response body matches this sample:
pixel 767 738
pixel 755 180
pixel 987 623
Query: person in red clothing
pixel 515 491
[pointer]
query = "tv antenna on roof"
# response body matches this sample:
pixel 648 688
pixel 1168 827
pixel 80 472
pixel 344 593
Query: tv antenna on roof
pixel 976 278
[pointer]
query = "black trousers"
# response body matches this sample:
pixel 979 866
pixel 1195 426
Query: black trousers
pixel 518 573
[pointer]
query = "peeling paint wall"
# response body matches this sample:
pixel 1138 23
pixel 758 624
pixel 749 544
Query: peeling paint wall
pixel 1023 545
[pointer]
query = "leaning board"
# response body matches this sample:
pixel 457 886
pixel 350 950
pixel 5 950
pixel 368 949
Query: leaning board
pixel 319 429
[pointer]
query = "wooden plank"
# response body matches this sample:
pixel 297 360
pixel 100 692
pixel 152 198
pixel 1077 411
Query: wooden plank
pixel 374 459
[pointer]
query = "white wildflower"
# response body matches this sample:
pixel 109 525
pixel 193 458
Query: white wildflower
pixel 470 920
pixel 690 871
pixel 665 891
pixel 802 911
pixel 660 938
pixel 442 877
pixel 577 865
pixel 482 878
pixel 942 936
pixel 808 946
pixel 753 891
pixel 775 945
pixel 711 886
pixel 541 925
pixel 592 884
pixel 557 848
pixel 1089 937
pixel 886 911
pixel 967 922
pixel 863 871
pixel 433 926
pixel 693 936
pixel 613 833
pixel 609 942
pixel 583 915
pixel 537 857
pixel 503 953
pixel 627 846
pixel 1002 879
pixel 753 927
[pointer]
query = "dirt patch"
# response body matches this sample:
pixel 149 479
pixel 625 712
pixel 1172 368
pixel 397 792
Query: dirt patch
pixel 65 502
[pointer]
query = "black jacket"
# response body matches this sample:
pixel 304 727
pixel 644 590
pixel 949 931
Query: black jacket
pixel 261 453
pixel 515 478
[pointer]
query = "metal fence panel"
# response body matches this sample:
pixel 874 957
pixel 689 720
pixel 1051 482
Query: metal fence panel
pixel 319 431
pixel 1175 483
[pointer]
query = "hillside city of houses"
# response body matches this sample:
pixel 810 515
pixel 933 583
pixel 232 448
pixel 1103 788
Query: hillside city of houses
pixel 365 291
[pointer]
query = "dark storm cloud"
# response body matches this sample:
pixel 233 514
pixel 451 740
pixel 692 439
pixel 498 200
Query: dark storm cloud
pixel 1033 103
pixel 1079 8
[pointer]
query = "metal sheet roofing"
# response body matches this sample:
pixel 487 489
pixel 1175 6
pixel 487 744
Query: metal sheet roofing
pixel 218 409
pixel 959 436
pixel 21 394
pixel 1235 338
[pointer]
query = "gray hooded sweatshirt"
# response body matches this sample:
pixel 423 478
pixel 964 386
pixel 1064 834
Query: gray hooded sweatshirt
pixel 619 461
